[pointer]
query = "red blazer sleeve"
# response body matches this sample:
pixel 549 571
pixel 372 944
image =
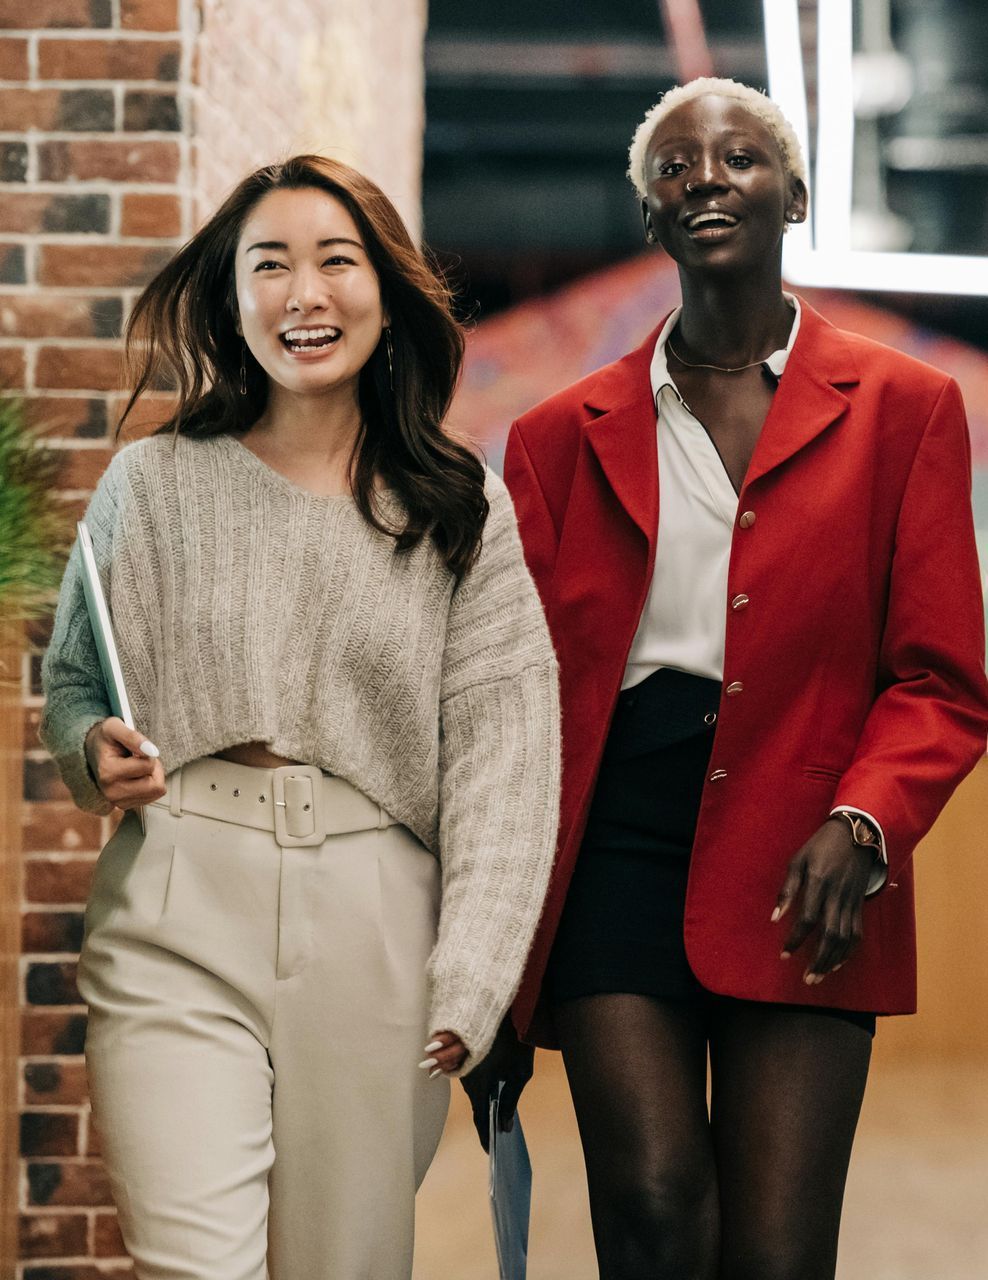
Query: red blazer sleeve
pixel 539 537
pixel 927 727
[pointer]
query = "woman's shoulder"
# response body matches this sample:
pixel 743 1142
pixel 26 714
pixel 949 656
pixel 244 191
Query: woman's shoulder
pixel 877 362
pixel 501 514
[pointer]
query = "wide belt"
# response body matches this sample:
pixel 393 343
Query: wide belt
pixel 299 803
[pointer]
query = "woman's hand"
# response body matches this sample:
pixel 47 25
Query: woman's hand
pixel 444 1054
pixel 124 764
pixel 829 875
pixel 509 1060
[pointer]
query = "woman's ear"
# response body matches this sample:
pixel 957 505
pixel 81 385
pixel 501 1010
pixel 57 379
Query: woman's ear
pixel 798 201
pixel 647 220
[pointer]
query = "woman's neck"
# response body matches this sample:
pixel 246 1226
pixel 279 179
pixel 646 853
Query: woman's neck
pixel 308 437
pixel 732 321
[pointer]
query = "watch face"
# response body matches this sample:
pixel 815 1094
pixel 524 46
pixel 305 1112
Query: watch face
pixel 863 833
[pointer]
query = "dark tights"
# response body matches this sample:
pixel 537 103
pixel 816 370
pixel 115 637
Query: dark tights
pixel 751 1192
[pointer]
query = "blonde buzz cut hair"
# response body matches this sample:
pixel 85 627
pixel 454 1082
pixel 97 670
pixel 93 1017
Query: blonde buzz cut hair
pixel 757 102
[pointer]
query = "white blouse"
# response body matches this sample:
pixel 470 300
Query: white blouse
pixel 684 621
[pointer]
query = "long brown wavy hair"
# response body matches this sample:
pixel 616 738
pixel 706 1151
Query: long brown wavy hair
pixel 183 330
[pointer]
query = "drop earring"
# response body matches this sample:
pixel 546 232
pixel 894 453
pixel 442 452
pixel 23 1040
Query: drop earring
pixel 243 368
pixel 389 352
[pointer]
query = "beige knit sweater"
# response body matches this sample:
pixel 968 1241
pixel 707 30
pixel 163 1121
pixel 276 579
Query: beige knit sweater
pixel 249 610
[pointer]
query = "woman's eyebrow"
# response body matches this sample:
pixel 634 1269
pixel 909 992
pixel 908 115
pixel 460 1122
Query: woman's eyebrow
pixel 320 244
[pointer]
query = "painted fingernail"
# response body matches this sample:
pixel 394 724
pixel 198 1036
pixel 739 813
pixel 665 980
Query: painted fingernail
pixel 776 915
pixel 435 1044
pixel 149 749
pixel 437 1071
pixel 429 1062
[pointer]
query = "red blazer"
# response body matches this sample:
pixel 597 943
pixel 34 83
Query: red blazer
pixel 861 653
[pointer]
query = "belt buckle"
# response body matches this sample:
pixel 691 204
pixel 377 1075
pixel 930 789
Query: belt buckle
pixel 299 820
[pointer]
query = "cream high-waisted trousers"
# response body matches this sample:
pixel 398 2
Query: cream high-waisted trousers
pixel 257 1013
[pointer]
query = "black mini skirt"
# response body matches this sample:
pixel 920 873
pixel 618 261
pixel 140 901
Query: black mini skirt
pixel 622 924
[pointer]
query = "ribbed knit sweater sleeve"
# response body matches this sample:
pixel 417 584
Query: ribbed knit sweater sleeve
pixel 76 697
pixel 499 772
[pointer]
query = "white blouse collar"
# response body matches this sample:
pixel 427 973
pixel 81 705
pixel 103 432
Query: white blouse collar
pixel 775 363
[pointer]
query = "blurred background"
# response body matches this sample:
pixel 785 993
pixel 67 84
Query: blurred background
pixel 501 131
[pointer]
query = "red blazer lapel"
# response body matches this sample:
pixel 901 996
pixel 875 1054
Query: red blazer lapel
pixel 623 437
pixel 807 401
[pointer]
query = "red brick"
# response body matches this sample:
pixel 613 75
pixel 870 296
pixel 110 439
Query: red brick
pixel 34 212
pixel 149 15
pixel 73 508
pixel 13 264
pixel 53 1235
pixel 51 932
pixel 151 412
pixel 13 161
pixel 49 1133
pixel 94 1145
pixel 68 1183
pixel 107 1240
pixel 106 265
pixel 13 367
pixel 108 60
pixel 66 416
pixel 111 160
pixel 54 13
pixel 151 216
pixel 13 59
pixel 83 368
pixel 39 632
pixel 149 111
pixel 23 109
pixel 51 982
pixel 53 315
pixel 82 468
pixel 82 110
pixel 47 1031
pixel 59 825
pixel 57 880
pixel 42 780
pixel 56 1084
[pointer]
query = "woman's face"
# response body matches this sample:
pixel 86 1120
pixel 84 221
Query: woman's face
pixel 309 298
pixel 717 193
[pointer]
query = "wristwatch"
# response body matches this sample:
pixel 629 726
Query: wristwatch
pixel 863 833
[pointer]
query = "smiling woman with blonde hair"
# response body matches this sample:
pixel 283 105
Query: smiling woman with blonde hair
pixel 753 540
pixel 347 747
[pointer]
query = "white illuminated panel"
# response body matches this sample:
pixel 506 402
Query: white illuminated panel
pixel 819 251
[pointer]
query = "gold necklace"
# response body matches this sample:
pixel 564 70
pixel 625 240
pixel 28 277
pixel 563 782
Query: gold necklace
pixel 719 367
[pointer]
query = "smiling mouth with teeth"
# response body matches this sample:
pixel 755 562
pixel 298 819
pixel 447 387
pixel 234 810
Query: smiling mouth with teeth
pixel 299 340
pixel 710 219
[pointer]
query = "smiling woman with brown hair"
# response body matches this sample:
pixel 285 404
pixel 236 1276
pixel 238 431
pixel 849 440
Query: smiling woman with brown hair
pixel 753 540
pixel 351 768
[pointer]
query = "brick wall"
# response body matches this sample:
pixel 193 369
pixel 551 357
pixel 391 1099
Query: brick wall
pixel 121 123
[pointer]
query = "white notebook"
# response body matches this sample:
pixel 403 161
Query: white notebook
pixel 106 646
